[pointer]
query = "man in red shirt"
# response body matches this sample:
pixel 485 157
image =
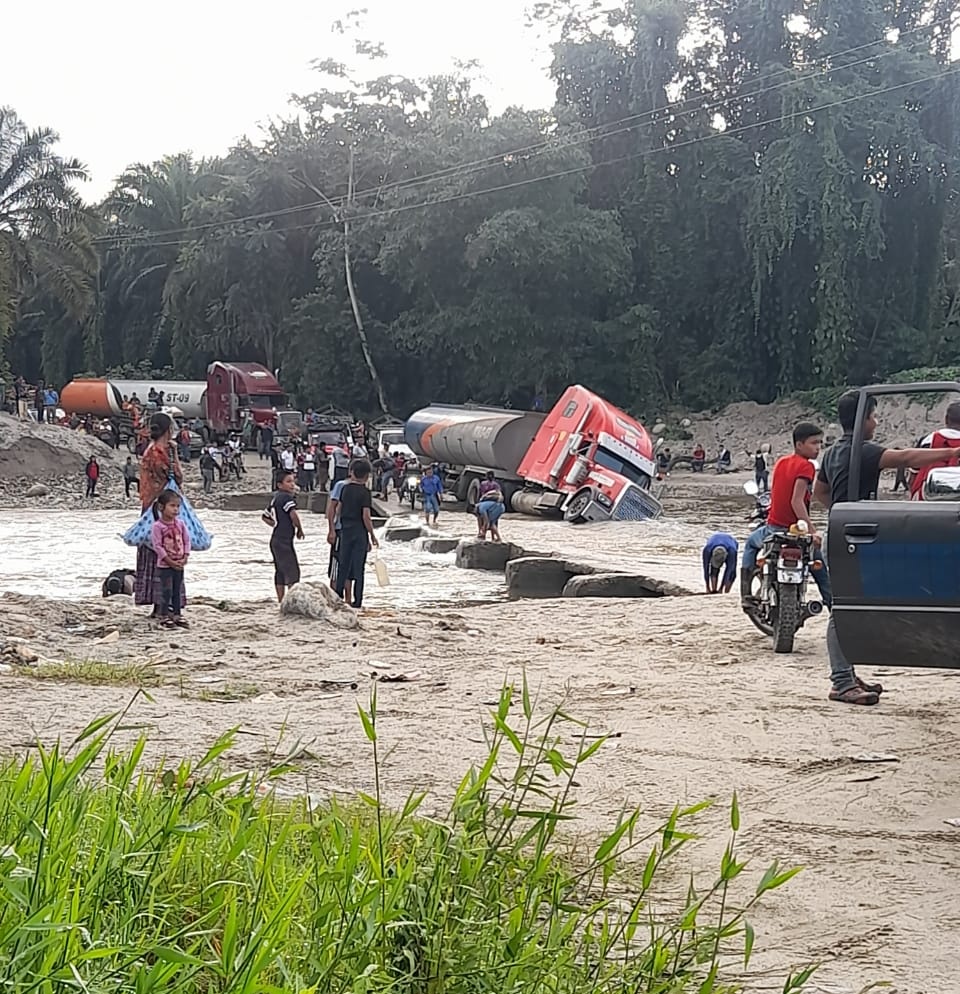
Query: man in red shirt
pixel 947 437
pixel 790 491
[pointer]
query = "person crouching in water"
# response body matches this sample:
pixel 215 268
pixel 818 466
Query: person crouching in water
pixel 286 566
pixel 356 529
pixel 431 486
pixel 720 553
pixel 171 543
pixel 490 508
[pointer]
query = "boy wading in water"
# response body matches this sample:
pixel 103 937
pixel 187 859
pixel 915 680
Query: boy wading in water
pixel 171 543
pixel 356 530
pixel 286 566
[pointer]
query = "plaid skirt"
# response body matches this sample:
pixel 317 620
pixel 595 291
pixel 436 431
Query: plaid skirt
pixel 147 588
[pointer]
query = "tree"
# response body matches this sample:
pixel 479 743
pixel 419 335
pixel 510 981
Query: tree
pixel 47 261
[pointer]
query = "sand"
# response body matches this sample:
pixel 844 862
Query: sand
pixel 696 702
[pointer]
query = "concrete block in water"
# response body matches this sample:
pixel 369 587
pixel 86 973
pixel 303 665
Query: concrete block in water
pixel 620 585
pixel 493 556
pixel 402 533
pixel 535 576
pixel 246 502
pixel 440 546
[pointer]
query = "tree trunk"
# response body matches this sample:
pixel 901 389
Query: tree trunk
pixel 361 332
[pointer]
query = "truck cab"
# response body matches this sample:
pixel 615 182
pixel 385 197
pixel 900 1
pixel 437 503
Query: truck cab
pixel 895 565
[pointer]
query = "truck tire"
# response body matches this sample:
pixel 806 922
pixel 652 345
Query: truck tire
pixel 473 494
pixel 578 506
pixel 464 482
pixel 787 619
pixel 132 444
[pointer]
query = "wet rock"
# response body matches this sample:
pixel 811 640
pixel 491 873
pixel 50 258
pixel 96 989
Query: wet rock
pixel 532 576
pixel 440 546
pixel 37 490
pixel 319 602
pixel 402 533
pixel 493 556
pixel 18 655
pixel 620 585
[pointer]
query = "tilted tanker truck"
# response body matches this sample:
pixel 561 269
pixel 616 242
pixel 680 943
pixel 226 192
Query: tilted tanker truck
pixel 585 460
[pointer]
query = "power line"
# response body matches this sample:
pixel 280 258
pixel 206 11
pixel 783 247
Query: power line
pixel 646 153
pixel 581 138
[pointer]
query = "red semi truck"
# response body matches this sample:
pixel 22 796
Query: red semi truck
pixel 585 460
pixel 230 389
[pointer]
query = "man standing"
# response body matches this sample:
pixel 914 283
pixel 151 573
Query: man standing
pixel 286 566
pixel 39 400
pixel 130 476
pixel 831 488
pixel 789 503
pixel 431 486
pixel 50 400
pixel 339 464
pixel 266 440
pixel 208 466
pixel 356 530
pixel 720 552
pixel 20 390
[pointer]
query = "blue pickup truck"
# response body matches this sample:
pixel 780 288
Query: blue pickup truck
pixel 895 565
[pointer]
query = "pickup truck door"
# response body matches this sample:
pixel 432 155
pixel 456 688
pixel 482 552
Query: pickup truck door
pixel 895 572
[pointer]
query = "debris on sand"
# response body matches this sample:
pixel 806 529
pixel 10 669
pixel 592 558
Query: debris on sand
pixel 318 601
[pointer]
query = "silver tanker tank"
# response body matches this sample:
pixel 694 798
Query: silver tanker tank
pixel 487 437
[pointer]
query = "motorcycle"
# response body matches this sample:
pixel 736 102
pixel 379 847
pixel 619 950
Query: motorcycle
pixel 779 586
pixel 410 489
pixel 761 502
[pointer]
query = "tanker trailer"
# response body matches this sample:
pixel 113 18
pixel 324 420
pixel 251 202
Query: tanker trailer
pixel 473 440
pixel 188 396
pixel 100 398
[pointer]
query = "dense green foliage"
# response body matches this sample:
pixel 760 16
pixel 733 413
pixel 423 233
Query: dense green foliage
pixel 188 881
pixel 726 201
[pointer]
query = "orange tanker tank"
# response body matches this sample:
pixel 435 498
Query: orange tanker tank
pixel 97 397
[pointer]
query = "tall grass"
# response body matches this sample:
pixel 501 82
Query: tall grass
pixel 114 878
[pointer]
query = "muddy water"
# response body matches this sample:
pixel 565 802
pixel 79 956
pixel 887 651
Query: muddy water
pixel 67 553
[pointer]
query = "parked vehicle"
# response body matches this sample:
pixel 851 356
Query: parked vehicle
pixel 761 502
pixel 784 570
pixel 232 394
pixel 585 460
pixel 893 564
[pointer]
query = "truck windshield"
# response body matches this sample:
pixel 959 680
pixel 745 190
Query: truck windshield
pixel 262 400
pixel 603 457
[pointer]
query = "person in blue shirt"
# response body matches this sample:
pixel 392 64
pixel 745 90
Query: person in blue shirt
pixel 431 486
pixel 720 553
pixel 333 511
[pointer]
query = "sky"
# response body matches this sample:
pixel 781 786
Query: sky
pixel 124 82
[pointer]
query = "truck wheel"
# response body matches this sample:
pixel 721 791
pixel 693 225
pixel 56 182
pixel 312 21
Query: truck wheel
pixel 578 506
pixel 787 619
pixel 131 445
pixel 473 494
pixel 464 483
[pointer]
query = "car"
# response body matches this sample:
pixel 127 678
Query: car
pixel 895 565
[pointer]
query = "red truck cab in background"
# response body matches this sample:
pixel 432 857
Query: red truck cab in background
pixel 234 388
pixel 585 460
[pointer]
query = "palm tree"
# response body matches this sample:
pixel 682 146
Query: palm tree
pixel 46 246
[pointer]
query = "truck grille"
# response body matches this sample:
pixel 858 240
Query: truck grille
pixel 636 505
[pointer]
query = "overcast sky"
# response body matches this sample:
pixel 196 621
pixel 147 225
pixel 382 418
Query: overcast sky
pixel 124 82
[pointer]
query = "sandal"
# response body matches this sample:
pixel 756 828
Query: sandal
pixel 871 688
pixel 181 623
pixel 855 695
pixel 167 622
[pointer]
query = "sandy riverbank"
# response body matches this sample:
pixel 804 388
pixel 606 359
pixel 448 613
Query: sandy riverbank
pixel 697 703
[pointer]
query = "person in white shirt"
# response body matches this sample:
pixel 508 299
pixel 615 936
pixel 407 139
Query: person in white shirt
pixel 287 459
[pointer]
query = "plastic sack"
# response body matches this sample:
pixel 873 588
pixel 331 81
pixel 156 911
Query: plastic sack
pixel 139 532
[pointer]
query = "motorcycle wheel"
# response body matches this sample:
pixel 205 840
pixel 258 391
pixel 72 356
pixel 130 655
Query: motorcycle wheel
pixel 759 615
pixel 787 619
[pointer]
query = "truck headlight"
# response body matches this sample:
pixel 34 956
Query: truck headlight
pixel 604 501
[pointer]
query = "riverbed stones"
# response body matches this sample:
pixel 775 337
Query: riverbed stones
pixel 37 490
pixel 440 546
pixel 620 585
pixel 318 602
